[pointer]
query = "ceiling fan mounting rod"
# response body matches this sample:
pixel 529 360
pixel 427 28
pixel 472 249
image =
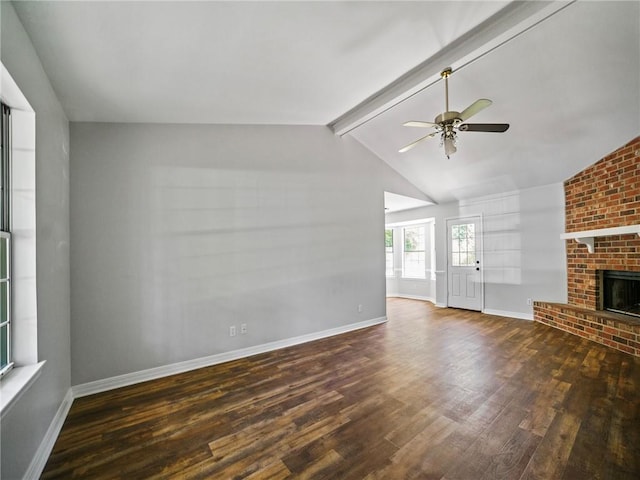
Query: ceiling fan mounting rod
pixel 445 74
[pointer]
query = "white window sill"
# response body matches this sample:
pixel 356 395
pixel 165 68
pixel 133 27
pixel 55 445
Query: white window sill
pixel 15 383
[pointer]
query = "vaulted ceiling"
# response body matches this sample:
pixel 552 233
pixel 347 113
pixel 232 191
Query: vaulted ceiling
pixel 565 75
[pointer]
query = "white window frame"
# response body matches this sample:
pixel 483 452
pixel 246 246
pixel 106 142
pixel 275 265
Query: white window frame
pixel 389 273
pixel 404 251
pixel 430 265
pixel 5 233
pixel 24 338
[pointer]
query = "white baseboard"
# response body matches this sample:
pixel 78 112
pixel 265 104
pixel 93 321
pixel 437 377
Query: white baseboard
pixel 119 381
pixel 504 313
pixel 39 460
pixel 41 456
pixel 412 297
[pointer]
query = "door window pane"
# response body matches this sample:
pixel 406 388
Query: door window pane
pixel 463 245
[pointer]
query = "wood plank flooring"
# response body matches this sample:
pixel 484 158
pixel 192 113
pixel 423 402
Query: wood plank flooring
pixel 433 394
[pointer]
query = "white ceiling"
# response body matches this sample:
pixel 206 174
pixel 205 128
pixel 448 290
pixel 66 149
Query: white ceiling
pixel 234 62
pixel 395 203
pixel 569 88
pixel 569 85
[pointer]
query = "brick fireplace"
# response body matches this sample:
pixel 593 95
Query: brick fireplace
pixel 606 195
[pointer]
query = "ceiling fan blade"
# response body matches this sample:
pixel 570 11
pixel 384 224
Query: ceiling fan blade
pixel 413 144
pixel 474 108
pixel 414 123
pixel 484 127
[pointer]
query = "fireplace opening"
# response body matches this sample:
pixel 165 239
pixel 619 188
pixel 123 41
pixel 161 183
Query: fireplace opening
pixel 620 292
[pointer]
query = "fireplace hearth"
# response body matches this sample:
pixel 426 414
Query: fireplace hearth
pixel 601 202
pixel 620 292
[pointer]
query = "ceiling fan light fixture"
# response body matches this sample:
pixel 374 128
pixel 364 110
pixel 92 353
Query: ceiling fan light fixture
pixel 449 144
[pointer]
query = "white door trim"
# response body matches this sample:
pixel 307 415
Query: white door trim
pixel 479 249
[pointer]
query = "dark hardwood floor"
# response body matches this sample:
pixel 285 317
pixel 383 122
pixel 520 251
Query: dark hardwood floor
pixel 432 394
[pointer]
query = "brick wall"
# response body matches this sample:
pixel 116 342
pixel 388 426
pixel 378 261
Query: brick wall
pixel 605 195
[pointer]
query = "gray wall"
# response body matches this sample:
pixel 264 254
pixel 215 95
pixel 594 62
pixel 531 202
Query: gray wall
pixel 179 231
pixel 523 254
pixel 26 423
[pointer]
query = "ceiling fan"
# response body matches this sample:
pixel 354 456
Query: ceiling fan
pixel 449 123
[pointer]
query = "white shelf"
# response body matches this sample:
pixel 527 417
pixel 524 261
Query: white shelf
pixel 586 236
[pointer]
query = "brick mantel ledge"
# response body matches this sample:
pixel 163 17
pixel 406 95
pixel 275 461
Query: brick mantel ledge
pixel 621 332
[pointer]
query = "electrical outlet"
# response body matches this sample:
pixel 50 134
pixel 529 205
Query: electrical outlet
pixel 232 331
pixel 529 302
pixel 243 328
pixel 359 308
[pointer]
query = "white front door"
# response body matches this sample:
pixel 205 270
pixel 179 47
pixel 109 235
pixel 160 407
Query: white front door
pixel 464 274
